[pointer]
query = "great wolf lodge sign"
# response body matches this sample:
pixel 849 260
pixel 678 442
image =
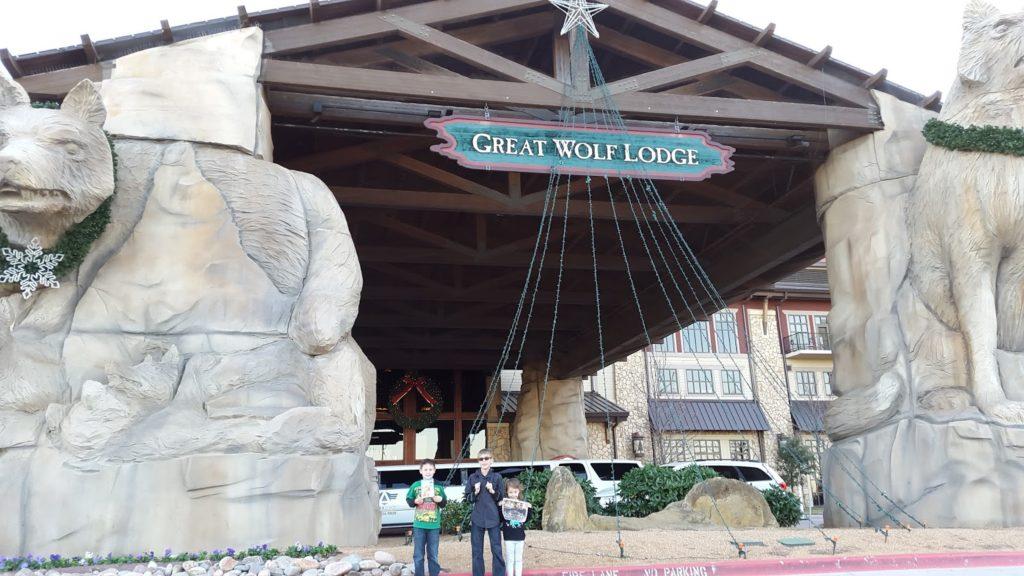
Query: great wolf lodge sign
pixel 535 146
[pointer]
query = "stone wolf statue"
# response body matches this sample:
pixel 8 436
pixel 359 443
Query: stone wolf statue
pixel 213 314
pixel 940 331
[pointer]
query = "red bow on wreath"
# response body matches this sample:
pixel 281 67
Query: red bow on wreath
pixel 410 383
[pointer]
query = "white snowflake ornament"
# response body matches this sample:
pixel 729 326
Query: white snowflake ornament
pixel 30 268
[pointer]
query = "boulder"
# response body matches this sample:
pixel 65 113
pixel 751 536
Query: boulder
pixel 384 558
pixel 738 503
pixel 565 507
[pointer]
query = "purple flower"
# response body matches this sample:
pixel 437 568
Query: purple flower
pixel 231 551
pixel 320 544
pixel 167 552
pixel 24 565
pixel 54 557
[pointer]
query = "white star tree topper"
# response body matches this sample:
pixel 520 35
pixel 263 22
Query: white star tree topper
pixel 30 268
pixel 579 12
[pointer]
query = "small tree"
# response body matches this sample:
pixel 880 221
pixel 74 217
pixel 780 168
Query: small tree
pixel 795 460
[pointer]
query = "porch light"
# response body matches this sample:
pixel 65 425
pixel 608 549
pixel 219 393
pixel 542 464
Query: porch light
pixel 638 444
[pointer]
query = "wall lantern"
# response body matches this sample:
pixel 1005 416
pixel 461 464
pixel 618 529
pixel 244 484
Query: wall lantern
pixel 638 444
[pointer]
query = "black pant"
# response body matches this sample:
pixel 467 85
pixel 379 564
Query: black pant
pixel 477 540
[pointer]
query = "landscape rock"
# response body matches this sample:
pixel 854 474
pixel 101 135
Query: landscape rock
pixel 227 563
pixel 292 570
pixel 384 558
pixel 307 563
pixel 369 565
pixel 565 506
pixel 395 569
pixel 737 503
pixel 339 568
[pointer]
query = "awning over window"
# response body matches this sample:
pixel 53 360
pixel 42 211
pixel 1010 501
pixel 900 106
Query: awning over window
pixel 808 414
pixel 708 415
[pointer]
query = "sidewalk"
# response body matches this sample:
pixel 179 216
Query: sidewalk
pixel 967 563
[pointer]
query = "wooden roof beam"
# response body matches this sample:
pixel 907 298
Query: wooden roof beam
pixel 447 178
pixel 471 54
pixel 91 56
pixel 320 77
pixel 679 26
pixel 243 17
pixel 932 100
pixel 415 63
pixel 314 10
pixel 766 35
pixel 509 30
pixel 821 58
pixel 166 33
pixel 11 63
pixel 875 79
pixel 437 256
pixel 370 25
pixel 708 12
pixel 678 73
pixel 354 155
pixel 59 82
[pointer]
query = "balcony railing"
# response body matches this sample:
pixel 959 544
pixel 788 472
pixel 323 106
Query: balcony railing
pixel 803 341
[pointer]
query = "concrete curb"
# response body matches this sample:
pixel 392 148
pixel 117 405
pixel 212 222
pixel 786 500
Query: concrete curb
pixel 823 565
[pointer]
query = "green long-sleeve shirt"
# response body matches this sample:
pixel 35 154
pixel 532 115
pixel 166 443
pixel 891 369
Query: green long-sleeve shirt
pixel 428 514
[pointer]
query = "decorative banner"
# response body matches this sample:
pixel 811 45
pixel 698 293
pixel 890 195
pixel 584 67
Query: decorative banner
pixel 536 146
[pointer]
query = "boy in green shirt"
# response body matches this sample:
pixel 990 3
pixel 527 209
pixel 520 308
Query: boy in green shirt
pixel 428 498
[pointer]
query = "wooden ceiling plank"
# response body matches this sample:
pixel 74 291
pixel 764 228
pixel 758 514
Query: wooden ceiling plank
pixel 243 17
pixel 707 37
pixel 472 54
pixel 876 79
pixel 520 260
pixel 407 275
pixel 819 59
pixel 708 12
pixel 320 77
pixel 417 233
pixel 166 33
pixel 447 178
pixel 338 31
pixel 766 35
pixel 509 30
pixel 450 202
pixel 353 155
pixel 678 73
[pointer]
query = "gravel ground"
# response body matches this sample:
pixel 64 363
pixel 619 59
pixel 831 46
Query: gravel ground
pixel 545 549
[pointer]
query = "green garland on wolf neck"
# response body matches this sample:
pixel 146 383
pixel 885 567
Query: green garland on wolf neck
pixel 74 244
pixel 993 139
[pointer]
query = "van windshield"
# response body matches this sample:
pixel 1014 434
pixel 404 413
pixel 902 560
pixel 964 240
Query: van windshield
pixel 612 471
pixel 395 479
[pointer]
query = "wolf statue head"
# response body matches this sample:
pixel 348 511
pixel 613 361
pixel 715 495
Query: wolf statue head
pixel 55 164
pixel 991 59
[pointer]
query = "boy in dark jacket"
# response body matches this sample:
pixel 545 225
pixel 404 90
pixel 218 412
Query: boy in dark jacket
pixel 428 498
pixel 484 490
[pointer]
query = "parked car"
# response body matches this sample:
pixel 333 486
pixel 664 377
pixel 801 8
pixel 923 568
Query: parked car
pixel 757 474
pixel 394 482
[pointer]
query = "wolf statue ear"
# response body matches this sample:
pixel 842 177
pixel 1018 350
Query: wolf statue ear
pixel 84 101
pixel 974 54
pixel 11 93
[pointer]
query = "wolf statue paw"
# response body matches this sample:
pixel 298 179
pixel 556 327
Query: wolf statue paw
pixel 1005 412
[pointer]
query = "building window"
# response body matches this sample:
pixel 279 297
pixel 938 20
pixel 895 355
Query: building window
pixel 667 344
pixel 668 382
pixel 799 331
pixel 699 381
pixel 673 450
pixel 826 383
pixel 695 337
pixel 821 339
pixel 707 450
pixel 806 385
pixel 725 332
pixel 739 450
pixel 732 382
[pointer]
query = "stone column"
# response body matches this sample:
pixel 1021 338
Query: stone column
pixel 769 381
pixel 563 424
pixel 631 393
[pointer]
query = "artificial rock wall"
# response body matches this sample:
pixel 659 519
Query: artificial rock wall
pixel 208 392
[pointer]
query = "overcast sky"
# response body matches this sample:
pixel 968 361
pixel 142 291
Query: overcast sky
pixel 917 40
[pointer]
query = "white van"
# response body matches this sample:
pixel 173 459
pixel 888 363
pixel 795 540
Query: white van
pixel 394 482
pixel 757 474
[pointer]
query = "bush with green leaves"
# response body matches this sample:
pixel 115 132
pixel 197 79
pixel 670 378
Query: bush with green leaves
pixel 649 489
pixel 785 506
pixel 455 513
pixel 795 460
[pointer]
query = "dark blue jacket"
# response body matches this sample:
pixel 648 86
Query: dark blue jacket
pixel 485 504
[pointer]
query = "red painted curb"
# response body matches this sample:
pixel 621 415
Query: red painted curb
pixel 823 565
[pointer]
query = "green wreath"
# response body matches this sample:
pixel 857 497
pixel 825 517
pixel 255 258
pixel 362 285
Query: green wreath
pixel 430 392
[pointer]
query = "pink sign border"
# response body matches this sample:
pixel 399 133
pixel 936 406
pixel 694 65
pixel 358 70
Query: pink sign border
pixel 447 149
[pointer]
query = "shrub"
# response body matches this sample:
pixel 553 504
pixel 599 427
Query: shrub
pixel 650 489
pixel 785 506
pixel 795 460
pixel 453 514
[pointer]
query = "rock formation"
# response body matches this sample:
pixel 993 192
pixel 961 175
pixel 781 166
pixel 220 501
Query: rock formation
pixel 193 384
pixel 565 507
pixel 921 243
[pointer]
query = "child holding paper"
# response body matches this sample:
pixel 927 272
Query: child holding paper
pixel 515 513
pixel 428 498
